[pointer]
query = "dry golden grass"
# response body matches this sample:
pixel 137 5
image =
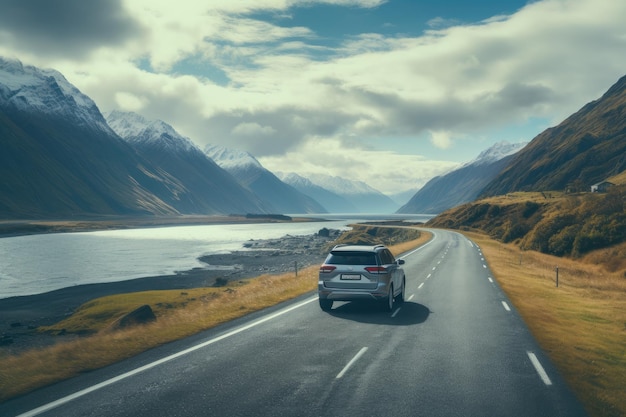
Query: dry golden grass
pixel 581 324
pixel 179 314
pixel 523 196
pixel 619 179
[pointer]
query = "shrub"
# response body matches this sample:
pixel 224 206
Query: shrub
pixel 513 231
pixel 530 208
pixel 562 243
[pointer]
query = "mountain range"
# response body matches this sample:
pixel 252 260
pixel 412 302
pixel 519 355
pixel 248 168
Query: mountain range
pixel 586 148
pixel 252 175
pixel 333 202
pixel 61 158
pixel 345 196
pixel 203 187
pixel 463 184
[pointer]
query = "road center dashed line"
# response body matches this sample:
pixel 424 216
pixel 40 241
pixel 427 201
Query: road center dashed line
pixel 420 287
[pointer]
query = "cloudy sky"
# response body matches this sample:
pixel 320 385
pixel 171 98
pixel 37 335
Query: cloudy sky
pixel 390 92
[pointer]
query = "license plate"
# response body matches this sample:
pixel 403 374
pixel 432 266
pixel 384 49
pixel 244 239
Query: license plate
pixel 351 276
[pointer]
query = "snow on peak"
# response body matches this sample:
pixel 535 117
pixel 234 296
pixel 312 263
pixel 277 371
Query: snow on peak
pixel 136 129
pixel 28 88
pixel 231 158
pixel 496 152
pixel 294 179
pixel 340 185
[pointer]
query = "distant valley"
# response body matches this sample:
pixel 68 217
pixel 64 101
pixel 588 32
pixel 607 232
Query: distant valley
pixel 63 159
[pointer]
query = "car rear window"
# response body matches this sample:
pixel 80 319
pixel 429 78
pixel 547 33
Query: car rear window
pixel 351 258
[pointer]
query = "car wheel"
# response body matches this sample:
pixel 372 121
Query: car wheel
pixel 326 304
pixel 388 303
pixel 400 298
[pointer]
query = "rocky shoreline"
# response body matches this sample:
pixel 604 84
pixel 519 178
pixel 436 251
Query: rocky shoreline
pixel 21 316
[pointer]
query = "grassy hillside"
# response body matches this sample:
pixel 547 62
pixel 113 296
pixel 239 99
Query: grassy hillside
pixel 590 225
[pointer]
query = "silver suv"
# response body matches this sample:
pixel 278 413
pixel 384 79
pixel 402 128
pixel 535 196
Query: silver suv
pixel 361 272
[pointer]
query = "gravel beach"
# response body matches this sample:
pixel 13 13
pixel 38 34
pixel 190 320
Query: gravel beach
pixel 20 316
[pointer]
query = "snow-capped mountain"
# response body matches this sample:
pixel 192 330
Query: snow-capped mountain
pixel 136 129
pixel 334 203
pixel 463 184
pixel 360 196
pixel 61 159
pixel 206 188
pixel 251 174
pixel 231 158
pixel 341 186
pixel 29 89
pixel 496 152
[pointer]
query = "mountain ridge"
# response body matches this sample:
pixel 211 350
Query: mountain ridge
pixel 347 196
pixel 463 184
pixel 586 148
pixel 251 174
pixel 205 187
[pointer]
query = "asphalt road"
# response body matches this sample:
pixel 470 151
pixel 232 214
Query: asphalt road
pixel 456 347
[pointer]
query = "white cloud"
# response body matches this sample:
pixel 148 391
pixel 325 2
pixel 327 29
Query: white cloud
pixel 285 91
pixel 387 171
pixel 253 129
pixel 441 139
pixel 129 102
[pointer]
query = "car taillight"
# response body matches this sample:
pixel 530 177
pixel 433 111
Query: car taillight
pixel 325 269
pixel 376 269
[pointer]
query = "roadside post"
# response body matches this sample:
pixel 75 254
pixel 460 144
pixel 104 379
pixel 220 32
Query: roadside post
pixel 556 268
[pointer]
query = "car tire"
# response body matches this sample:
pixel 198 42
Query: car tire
pixel 401 297
pixel 326 304
pixel 387 303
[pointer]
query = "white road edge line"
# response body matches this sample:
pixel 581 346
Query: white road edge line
pixel 506 306
pixel 490 280
pixel 542 373
pixel 78 394
pixel 356 358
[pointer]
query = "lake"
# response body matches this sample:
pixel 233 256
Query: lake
pixel 40 263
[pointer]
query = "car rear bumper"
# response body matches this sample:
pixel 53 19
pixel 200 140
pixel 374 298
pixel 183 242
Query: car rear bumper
pixel 352 294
